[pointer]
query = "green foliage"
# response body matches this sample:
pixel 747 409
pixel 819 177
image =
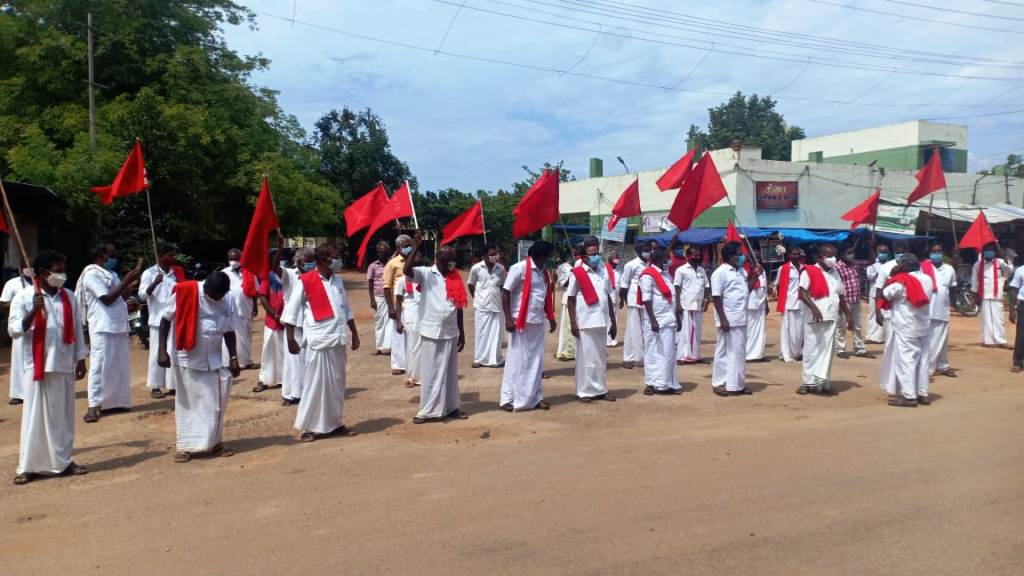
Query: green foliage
pixel 751 120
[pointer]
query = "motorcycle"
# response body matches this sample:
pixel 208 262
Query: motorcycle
pixel 964 300
pixel 138 320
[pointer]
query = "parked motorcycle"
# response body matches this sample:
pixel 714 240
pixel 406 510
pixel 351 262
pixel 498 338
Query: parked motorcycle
pixel 138 320
pixel 964 300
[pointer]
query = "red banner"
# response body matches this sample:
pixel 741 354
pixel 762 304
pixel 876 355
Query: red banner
pixel 776 195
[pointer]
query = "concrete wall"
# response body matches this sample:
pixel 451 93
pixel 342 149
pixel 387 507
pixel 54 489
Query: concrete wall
pixel 896 146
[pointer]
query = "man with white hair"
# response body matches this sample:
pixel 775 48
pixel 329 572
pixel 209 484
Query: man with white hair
pixel 393 275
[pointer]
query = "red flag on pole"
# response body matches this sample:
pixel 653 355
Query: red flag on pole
pixel 360 213
pixel 864 213
pixel 131 179
pixel 929 179
pixel 627 205
pixel 677 173
pixel 256 251
pixel 701 190
pixel 468 223
pixel 399 206
pixel 539 206
pixel 979 234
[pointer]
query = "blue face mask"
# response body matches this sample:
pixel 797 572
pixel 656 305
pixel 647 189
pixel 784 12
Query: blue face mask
pixel 883 256
pixel 111 264
pixel 741 261
pixel 679 252
pixel 336 265
pixel 406 250
pixel 989 254
pixel 594 261
pixel 899 256
pixel 936 258
pixel 307 266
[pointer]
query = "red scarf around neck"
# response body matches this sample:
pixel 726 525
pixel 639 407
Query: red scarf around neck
pixel 409 287
pixel 524 300
pixel 784 287
pixel 915 292
pixel 928 268
pixel 611 273
pixel 586 285
pixel 995 278
pixel 659 281
pixel 316 295
pixel 39 336
pixel 455 289
pixel 186 314
pixel 819 285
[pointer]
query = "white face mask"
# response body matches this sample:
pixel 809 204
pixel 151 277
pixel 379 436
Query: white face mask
pixel 234 264
pixel 830 262
pixel 56 280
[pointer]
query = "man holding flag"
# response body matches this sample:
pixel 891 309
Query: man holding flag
pixel 156 289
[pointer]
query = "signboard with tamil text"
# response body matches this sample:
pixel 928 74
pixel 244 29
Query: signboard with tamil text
pixel 776 195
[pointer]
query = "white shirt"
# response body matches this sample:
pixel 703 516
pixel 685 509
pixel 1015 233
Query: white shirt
pixel 945 279
pixel 664 308
pixel 906 320
pixel 827 306
pixel 12 287
pixel 438 319
pixel 214 320
pixel 59 357
pixel 596 315
pixel 486 286
pixel 729 284
pixel 793 290
pixel 562 274
pixel 161 295
pixel 410 304
pixel 990 276
pixel 538 291
pixel 1018 283
pixel 242 304
pixel 872 274
pixel 757 297
pixel 326 333
pixel 94 283
pixel 630 280
pixel 882 275
pixel 691 283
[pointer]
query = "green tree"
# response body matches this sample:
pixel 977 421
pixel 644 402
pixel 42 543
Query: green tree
pixel 751 120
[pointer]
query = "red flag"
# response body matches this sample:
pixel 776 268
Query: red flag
pixel 979 234
pixel 677 173
pixel 539 207
pixel 399 206
pixel 468 223
pixel 4 228
pixel 256 251
pixel 700 191
pixel 731 235
pixel 627 205
pixel 360 213
pixel 131 179
pixel 864 213
pixel 929 179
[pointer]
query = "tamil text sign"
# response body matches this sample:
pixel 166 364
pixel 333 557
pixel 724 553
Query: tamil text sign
pixel 776 195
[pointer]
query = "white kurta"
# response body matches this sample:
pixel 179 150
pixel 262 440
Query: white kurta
pixel 593 321
pixel 524 367
pixel 241 322
pixel 633 338
pixel 439 333
pixel 48 413
pixel 659 347
pixel 730 369
pixel 157 378
pixel 904 367
pixel 16 378
pixel 488 320
pixel 109 359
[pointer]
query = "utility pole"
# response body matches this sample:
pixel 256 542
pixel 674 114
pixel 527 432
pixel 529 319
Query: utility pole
pixel 92 87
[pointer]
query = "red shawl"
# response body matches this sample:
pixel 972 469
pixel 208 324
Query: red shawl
pixel 39 336
pixel 783 287
pixel 319 303
pixel 586 286
pixel 524 300
pixel 819 285
pixel 611 273
pixel 995 278
pixel 915 292
pixel 186 314
pixel 276 300
pixel 928 268
pixel 659 281
pixel 179 273
pixel 455 289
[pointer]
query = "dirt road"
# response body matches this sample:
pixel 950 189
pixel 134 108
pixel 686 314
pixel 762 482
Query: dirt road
pixel 693 484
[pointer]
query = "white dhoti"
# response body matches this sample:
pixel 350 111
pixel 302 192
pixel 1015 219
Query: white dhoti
pixel 489 327
pixel 591 362
pixel 521 381
pixel 199 406
pixel 938 346
pixel 382 325
pixel 413 353
pixel 791 340
pixel 633 339
pixel 109 371
pixel 874 332
pixel 292 370
pixel 993 327
pixel 660 359
pixel 755 334
pixel 323 397
pixel 18 379
pixel 819 348
pixel 272 359
pixel 439 368
pixel 158 378
pixel 243 341
pixel 47 424
pixel 688 337
pixel 398 356
pixel 565 339
pixel 905 366
pixel 730 368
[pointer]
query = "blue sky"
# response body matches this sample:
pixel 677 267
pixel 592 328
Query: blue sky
pixel 470 124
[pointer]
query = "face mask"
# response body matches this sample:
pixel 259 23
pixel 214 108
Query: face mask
pixel 307 266
pixel 936 258
pixel 882 257
pixel 27 272
pixel 899 256
pixel 406 250
pixel 830 262
pixel 615 261
pixel 679 253
pixel 645 256
pixel 110 264
pixel 989 254
pixel 741 260
pixel 494 259
pixel 56 280
pixel 450 266
pixel 595 261
pixel 336 265
pixel 234 264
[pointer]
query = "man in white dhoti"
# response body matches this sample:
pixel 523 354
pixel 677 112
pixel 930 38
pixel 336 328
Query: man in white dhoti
pixel 904 372
pixel 528 288
pixel 156 289
pixel 821 294
pixel 375 285
pixel 661 319
pixel 16 378
pixel 103 293
pixel 47 326
pixel 900 249
pixel 592 320
pixel 693 290
pixel 847 271
pixel 1016 309
pixel 443 297
pixel 392 276
pixel 629 296
pixel 272 302
pixel 987 279
pixel 787 292
pixel 486 278
pixel 564 352
pixel 757 311
pixel 875 332
pixel 197 324
pixel 320 305
pixel 612 272
pixel 729 292
pixel 244 291
pixel 407 301
pixel 292 381
pixel 943 278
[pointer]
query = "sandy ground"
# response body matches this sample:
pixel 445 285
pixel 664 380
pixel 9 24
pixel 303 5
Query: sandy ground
pixel 693 484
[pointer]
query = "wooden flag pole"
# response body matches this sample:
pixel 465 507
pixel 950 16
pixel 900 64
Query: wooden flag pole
pixel 152 229
pixel 480 199
pixel 415 222
pixel 14 226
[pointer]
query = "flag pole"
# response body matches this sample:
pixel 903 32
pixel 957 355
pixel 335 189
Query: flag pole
pixel 152 229
pixel 480 199
pixel 952 222
pixel 746 240
pixel 931 204
pixel 14 225
pixel 415 222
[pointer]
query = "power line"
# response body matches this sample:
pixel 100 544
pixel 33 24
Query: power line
pixel 1006 113
pixel 1003 2
pixel 694 69
pixel 904 16
pixel 448 29
pixel 953 10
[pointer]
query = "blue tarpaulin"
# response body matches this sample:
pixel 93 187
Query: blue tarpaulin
pixel 798 236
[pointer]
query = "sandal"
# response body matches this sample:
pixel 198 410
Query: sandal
pixel 91 415
pixel 25 478
pixel 156 393
pixel 342 431
pixel 397 372
pixel 507 407
pixel 182 457
pixel 419 420
pixel 924 400
pixel 307 437
pixel 719 391
pixel 648 391
pixel 828 392
pixel 74 470
pixel 948 373
pixel 261 387
pixel 803 390
pixel 15 401
pixel 457 415
pixel 543 405
pixel 586 399
pixel 902 402
pixel 222 452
